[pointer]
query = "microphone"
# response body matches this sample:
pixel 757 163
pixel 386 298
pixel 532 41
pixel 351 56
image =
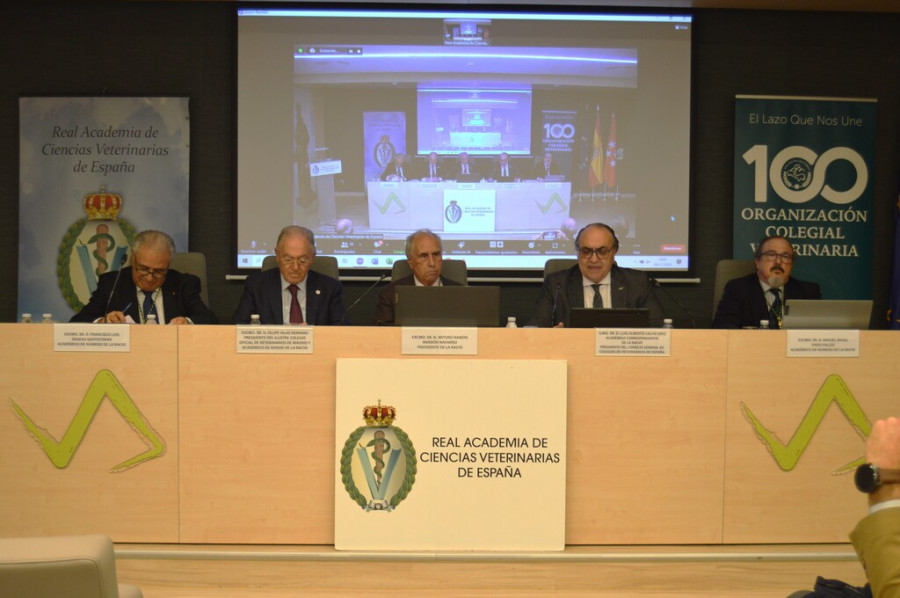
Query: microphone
pixel 655 283
pixel 555 305
pixel 115 282
pixel 360 298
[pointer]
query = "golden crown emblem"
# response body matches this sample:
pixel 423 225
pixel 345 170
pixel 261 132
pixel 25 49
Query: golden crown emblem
pixel 376 415
pixel 102 205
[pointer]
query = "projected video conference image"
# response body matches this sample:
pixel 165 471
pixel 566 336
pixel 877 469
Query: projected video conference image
pixel 504 133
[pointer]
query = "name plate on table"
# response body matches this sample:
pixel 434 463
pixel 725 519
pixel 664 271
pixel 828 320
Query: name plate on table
pixel 274 339
pixel 439 341
pixel 822 343
pixel 648 342
pixel 114 338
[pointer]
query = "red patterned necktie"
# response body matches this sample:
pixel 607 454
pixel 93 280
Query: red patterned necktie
pixel 296 313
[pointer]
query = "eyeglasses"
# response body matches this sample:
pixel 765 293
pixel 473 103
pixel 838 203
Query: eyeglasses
pixel 295 261
pixel 600 252
pixel 770 256
pixel 154 272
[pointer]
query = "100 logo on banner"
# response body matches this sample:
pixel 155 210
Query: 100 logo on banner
pixel 797 174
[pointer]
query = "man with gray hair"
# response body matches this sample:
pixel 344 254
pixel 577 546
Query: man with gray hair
pixel 425 254
pixel 292 293
pixel 147 288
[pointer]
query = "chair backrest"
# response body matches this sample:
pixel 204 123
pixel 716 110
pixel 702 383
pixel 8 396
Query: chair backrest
pixel 556 264
pixel 61 566
pixel 454 270
pixel 725 271
pixel 192 262
pixel 323 264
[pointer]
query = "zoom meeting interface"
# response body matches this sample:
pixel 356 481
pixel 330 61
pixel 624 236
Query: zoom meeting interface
pixel 504 133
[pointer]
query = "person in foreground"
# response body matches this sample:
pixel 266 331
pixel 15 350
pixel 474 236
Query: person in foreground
pixel 761 295
pixel 595 281
pixel 876 537
pixel 425 254
pixel 292 293
pixel 147 287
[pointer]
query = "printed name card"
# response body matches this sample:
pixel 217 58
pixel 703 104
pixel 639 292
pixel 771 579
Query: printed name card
pixel 823 343
pixel 632 341
pixel 439 341
pixel 114 338
pixel 275 339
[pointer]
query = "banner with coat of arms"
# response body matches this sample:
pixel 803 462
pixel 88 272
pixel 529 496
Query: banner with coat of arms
pixel 93 172
pixel 384 134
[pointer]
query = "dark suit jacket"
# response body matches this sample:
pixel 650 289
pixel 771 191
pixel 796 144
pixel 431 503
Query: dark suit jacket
pixel 180 294
pixel 423 171
pixel 392 169
pixel 262 295
pixel 540 171
pixel 384 308
pixel 743 302
pixel 495 173
pixel 628 288
pixel 454 173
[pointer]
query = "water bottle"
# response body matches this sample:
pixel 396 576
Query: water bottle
pixel 667 323
pixel 511 322
pixel 763 324
pixel 151 319
pixel 254 320
pixel 48 319
pixel 26 318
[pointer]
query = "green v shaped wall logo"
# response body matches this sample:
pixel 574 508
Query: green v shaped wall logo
pixel 391 198
pixel 104 385
pixel 553 199
pixel 833 390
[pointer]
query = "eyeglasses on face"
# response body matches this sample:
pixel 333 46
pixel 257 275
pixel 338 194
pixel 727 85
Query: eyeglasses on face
pixel 601 252
pixel 152 272
pixel 770 256
pixel 303 260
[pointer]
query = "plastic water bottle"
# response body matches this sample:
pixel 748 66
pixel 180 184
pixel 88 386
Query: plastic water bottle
pixel 26 318
pixel 151 319
pixel 667 323
pixel 763 324
pixel 254 320
pixel 48 319
pixel 511 322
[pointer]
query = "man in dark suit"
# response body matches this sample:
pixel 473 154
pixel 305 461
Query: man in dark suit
pixel 148 287
pixel 425 254
pixel 503 171
pixel 546 167
pixel 432 170
pixel 761 295
pixel 463 170
pixel 292 294
pixel 595 281
pixel 397 170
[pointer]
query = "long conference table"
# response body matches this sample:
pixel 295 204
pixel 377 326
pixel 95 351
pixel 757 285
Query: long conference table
pixel 661 450
pixel 480 207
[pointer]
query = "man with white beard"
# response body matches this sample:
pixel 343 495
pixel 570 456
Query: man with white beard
pixel 761 295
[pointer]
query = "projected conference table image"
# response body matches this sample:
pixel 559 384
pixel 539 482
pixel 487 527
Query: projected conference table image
pixel 468 207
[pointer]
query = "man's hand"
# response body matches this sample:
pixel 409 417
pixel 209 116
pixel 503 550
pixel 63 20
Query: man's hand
pixel 115 317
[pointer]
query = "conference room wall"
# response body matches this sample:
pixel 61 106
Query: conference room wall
pixel 189 48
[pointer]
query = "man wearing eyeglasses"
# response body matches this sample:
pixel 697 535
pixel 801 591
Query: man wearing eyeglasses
pixel 425 255
pixel 292 294
pixel 595 281
pixel 761 295
pixel 148 290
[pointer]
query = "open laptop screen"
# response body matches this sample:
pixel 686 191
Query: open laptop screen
pixel 614 317
pixel 853 314
pixel 461 306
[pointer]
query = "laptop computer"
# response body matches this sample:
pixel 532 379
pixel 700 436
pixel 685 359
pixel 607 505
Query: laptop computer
pixel 853 314
pixel 555 178
pixel 611 317
pixel 460 306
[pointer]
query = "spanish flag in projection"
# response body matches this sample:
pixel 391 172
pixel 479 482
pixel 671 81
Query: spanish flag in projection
pixel 609 168
pixel 595 176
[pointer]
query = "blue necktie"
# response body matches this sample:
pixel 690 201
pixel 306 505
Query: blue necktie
pixel 149 305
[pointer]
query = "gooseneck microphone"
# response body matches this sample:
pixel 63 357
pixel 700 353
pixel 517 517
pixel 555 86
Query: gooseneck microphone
pixel 655 283
pixel 360 298
pixel 555 305
pixel 115 282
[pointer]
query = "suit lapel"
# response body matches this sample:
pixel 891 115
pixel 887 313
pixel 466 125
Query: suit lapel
pixel 618 295
pixel 274 295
